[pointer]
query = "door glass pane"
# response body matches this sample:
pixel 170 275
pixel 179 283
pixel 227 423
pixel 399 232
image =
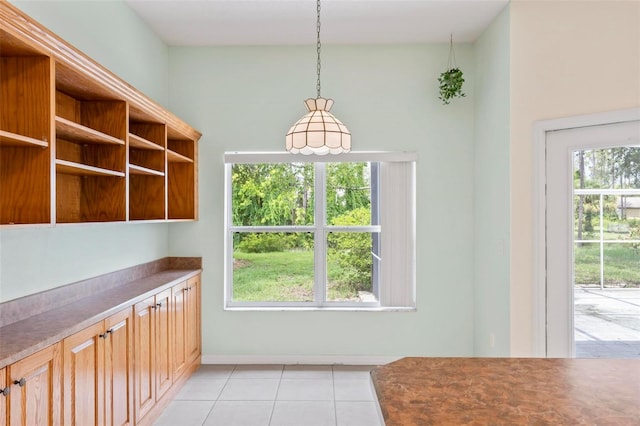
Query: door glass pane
pixel 586 217
pixel 273 267
pixel 587 265
pixel 622 265
pixel 352 266
pixel 611 168
pixel 279 194
pixel 351 191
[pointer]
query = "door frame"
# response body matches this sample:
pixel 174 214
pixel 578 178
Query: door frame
pixel 540 130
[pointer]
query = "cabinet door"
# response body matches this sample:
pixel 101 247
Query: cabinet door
pixel 36 391
pixel 144 357
pixel 3 398
pixel 83 376
pixel 164 366
pixel 193 318
pixel 119 369
pixel 178 298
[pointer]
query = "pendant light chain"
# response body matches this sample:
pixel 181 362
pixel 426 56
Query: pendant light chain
pixel 318 45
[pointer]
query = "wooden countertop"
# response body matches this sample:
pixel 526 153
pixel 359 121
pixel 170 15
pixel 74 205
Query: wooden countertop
pixel 509 391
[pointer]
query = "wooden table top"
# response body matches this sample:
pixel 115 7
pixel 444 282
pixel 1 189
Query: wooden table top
pixel 509 391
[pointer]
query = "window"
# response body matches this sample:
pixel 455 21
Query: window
pixel 320 232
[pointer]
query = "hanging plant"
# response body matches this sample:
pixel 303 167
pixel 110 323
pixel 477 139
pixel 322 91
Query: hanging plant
pixel 452 79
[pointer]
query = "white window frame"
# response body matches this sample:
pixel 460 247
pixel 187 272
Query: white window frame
pixel 396 279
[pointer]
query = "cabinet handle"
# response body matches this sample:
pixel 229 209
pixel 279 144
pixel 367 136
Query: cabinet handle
pixel 158 305
pixel 6 391
pixel 20 382
pixel 106 334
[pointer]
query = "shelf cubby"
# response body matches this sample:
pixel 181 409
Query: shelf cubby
pixel 91 154
pixel 147 170
pixel 85 197
pixel 25 133
pixel 181 176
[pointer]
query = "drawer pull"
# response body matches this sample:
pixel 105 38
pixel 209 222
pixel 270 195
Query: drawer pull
pixel 20 382
pixel 6 391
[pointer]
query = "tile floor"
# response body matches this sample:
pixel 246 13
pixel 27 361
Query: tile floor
pixel 275 395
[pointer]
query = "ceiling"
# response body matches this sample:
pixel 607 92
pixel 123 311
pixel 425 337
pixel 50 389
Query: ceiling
pixel 290 22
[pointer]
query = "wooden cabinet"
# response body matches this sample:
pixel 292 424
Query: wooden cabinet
pixel 98 373
pixel 84 377
pixel 119 369
pixel 186 323
pixel 78 144
pixel 193 318
pixel 4 396
pixel 153 355
pixel 144 357
pixel 164 353
pixel 36 389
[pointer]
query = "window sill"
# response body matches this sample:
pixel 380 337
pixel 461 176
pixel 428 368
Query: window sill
pixel 320 309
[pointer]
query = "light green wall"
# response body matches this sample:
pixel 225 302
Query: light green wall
pixel 246 98
pixel 113 35
pixel 39 258
pixel 491 192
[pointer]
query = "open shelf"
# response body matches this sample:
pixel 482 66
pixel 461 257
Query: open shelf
pixel 67 129
pixel 174 157
pixel 13 139
pixel 139 142
pixel 139 170
pixel 77 169
pixel 78 144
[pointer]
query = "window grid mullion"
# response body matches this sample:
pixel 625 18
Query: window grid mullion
pixel 320 245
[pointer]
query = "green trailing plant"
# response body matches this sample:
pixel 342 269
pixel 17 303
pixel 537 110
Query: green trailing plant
pixel 451 82
pixel 452 79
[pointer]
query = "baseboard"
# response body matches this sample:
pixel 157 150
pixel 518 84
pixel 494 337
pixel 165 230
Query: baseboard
pixel 299 359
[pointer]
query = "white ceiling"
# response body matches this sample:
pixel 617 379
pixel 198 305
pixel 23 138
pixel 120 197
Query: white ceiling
pixel 281 22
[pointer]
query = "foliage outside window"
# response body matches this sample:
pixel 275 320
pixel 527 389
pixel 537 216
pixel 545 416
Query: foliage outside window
pixel 285 241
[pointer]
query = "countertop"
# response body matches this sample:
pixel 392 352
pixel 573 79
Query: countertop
pixel 509 391
pixel 27 336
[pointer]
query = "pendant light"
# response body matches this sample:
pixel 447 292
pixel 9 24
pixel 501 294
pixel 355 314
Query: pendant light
pixel 318 131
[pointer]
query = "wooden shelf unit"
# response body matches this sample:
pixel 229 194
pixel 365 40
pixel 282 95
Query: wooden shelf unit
pixel 78 144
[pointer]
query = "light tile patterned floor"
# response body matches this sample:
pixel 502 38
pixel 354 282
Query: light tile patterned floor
pixel 275 395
